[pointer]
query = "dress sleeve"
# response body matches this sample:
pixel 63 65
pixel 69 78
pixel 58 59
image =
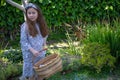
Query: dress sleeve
pixel 25 45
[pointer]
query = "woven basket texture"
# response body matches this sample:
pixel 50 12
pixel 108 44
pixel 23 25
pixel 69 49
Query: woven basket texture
pixel 48 66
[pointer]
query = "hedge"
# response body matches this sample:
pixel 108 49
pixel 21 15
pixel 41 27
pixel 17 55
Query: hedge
pixel 58 12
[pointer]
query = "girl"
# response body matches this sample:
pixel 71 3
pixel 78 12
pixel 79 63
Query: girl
pixel 33 39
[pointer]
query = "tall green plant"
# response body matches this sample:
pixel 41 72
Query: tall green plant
pixel 105 34
pixel 73 49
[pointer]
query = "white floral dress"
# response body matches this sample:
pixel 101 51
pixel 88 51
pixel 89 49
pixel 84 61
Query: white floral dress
pixel 27 41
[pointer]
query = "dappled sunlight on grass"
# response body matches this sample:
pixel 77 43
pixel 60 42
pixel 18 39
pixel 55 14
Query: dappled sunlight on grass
pixel 63 47
pixel 62 44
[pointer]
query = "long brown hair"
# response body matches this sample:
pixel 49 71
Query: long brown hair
pixel 41 22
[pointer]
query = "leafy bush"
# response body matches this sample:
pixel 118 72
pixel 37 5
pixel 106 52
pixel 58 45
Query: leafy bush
pixel 13 55
pixel 97 56
pixel 105 34
pixel 8 70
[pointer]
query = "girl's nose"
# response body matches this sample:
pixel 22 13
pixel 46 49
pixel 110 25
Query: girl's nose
pixel 31 14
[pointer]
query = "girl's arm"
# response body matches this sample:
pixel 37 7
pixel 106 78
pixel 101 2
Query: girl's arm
pixel 25 45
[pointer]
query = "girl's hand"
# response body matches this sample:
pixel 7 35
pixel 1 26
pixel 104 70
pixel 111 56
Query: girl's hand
pixel 35 53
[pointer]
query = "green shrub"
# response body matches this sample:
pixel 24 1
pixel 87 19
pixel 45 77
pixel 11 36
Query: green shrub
pixel 2 65
pixel 8 69
pixel 105 34
pixel 57 12
pixel 12 70
pixel 97 56
pixel 2 77
pixel 13 55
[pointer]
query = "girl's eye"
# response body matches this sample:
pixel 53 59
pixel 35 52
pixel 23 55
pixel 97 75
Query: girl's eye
pixel 33 12
pixel 29 12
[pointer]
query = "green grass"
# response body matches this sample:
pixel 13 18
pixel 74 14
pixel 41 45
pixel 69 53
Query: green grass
pixel 84 74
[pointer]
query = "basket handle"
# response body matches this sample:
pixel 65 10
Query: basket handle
pixel 39 51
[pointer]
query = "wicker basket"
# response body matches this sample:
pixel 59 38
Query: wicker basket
pixel 48 66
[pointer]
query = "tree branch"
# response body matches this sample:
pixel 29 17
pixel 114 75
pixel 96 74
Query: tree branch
pixel 16 5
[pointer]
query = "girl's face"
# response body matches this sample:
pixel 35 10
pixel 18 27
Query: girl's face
pixel 32 14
